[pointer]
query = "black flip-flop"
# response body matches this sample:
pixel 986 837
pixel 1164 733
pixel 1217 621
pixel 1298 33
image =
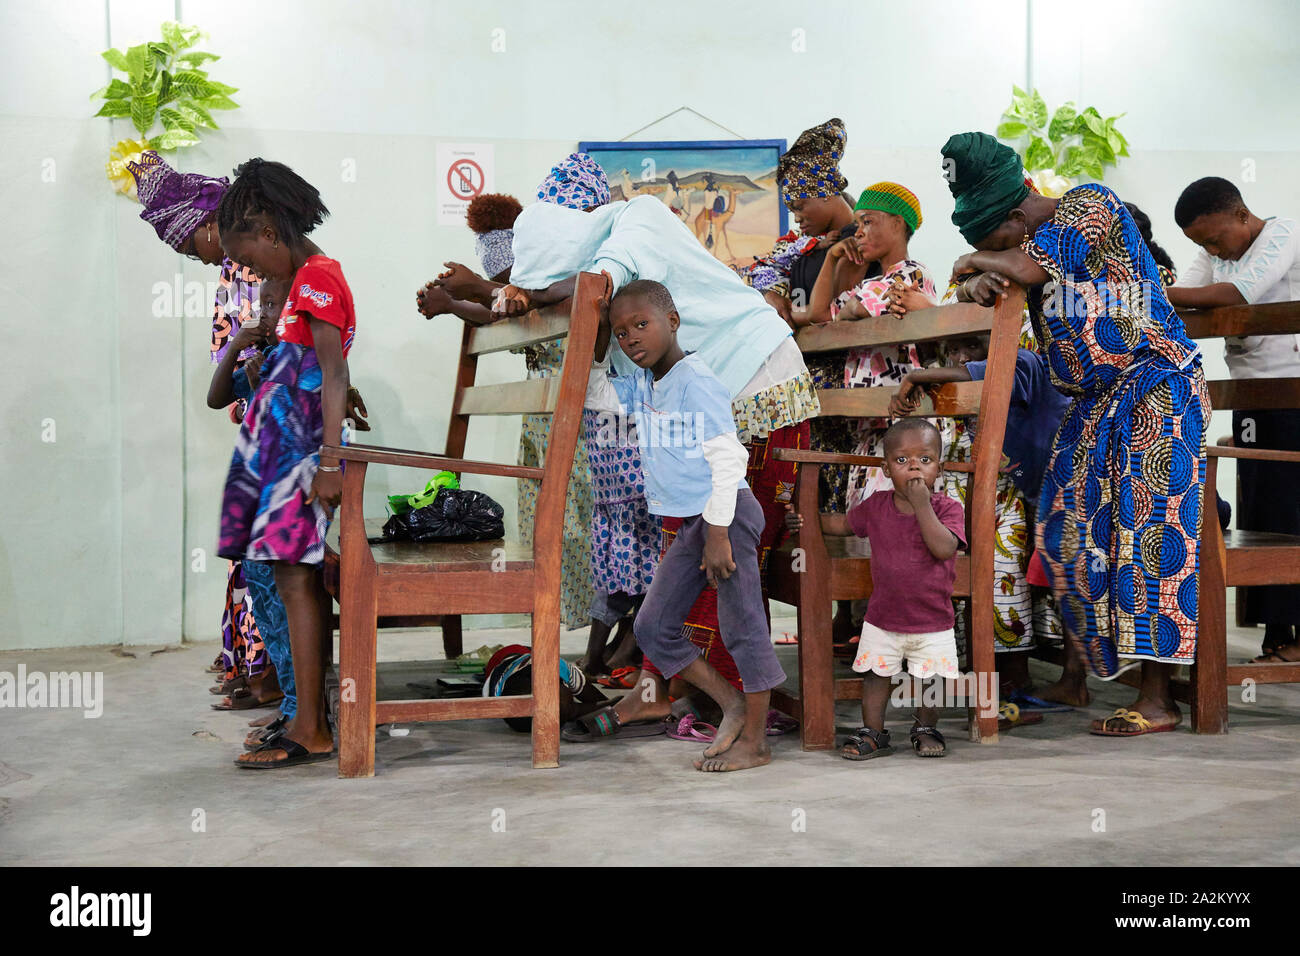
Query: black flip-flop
pixel 604 724
pixel 295 753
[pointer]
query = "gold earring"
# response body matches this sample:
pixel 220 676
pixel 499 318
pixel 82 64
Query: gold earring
pixel 275 244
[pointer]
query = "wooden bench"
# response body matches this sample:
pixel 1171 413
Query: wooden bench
pixel 411 581
pixel 833 568
pixel 1238 558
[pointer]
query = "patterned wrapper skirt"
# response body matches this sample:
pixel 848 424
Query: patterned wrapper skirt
pixel 624 535
pixel 576 591
pixel 264 514
pixel 243 651
pixel 1119 518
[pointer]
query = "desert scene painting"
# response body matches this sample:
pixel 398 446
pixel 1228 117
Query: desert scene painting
pixel 725 193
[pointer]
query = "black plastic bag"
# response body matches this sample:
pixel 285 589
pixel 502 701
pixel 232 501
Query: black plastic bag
pixel 456 515
pixel 395 529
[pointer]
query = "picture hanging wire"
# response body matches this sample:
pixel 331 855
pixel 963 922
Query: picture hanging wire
pixel 674 113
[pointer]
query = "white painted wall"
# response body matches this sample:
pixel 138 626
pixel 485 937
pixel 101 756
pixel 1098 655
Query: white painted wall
pixel 100 525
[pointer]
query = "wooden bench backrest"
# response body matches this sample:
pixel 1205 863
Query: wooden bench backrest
pixel 560 396
pixel 1273 318
pixel 989 399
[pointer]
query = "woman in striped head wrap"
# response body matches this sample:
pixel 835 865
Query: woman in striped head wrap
pixel 887 215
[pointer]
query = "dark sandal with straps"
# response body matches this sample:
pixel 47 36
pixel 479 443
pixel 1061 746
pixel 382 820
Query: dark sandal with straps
pixel 263 735
pixel 294 754
pixel 603 724
pixel 865 744
pixel 919 731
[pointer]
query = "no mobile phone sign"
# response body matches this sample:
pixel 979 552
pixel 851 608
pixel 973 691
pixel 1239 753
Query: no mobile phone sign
pixel 464 171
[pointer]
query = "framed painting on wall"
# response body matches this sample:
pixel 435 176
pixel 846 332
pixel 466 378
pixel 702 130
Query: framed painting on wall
pixel 724 191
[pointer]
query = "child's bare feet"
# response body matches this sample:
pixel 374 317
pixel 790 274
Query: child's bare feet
pixel 733 722
pixel 741 755
pixel 635 706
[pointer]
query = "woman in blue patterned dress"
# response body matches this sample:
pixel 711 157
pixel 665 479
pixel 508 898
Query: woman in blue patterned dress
pixel 1119 515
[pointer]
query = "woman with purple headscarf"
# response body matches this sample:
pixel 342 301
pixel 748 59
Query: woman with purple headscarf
pixel 182 208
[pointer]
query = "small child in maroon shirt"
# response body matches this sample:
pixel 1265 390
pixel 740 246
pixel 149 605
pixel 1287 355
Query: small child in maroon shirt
pixel 914 534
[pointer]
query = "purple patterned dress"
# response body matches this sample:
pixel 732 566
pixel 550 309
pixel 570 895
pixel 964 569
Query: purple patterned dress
pixel 264 514
pixel 242 649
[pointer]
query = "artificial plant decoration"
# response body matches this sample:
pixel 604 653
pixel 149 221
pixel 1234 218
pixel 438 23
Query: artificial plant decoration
pixel 165 83
pixel 1058 151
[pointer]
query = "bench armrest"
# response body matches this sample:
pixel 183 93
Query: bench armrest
pixel 418 459
pixel 1262 454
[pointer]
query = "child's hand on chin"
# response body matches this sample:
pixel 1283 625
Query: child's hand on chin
pixel 717 561
pixel 247 335
pixel 917 492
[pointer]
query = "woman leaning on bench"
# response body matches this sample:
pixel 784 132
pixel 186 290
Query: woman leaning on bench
pixel 1119 515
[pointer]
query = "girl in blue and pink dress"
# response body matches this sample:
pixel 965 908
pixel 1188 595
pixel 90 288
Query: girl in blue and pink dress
pixel 280 493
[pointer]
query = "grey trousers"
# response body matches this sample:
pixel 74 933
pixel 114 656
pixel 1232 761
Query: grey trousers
pixel 742 620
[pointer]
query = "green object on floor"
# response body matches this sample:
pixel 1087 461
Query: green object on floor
pixel 403 504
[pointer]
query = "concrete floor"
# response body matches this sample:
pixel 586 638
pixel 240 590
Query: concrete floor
pixel 125 788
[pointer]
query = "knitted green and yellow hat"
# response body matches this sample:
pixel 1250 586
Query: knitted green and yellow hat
pixel 894 199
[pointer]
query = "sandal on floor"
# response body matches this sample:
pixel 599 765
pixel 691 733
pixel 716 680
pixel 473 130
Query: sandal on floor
pixel 295 753
pixel 263 735
pixel 246 700
pixel 227 687
pixel 845 651
pixel 690 728
pixel 779 723
pixel 622 678
pixel 1128 718
pixel 865 743
pixel 1010 715
pixel 604 724
pixel 919 731
pixel 1036 705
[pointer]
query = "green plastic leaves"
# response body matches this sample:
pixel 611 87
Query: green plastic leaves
pixel 1072 143
pixel 165 82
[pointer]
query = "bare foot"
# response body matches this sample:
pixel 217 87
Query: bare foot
pixel 733 722
pixel 1074 693
pixel 1286 654
pixel 742 755
pixel 634 706
pixel 265 720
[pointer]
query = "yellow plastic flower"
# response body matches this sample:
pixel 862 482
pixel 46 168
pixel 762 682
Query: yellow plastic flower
pixel 121 178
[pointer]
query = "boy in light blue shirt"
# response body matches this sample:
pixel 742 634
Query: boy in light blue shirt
pixel 694 468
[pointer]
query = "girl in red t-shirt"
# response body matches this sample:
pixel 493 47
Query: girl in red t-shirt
pixel 280 492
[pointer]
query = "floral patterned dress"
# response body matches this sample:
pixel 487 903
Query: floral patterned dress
pixel 872 367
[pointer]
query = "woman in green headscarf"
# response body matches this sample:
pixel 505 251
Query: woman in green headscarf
pixel 1119 516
